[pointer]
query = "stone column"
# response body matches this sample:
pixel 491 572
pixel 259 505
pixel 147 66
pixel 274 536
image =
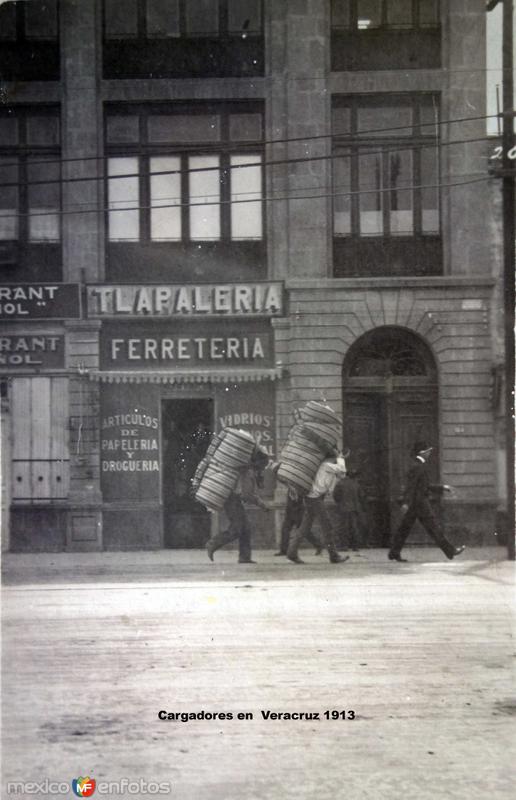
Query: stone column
pixel 465 219
pixel 299 229
pixel 83 234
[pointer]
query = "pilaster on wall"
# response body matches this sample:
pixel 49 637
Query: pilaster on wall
pixel 282 333
pixel 466 229
pixel 84 519
pixel 299 111
pixel 82 142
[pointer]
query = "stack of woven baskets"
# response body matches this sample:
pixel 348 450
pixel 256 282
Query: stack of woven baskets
pixel 315 434
pixel 217 474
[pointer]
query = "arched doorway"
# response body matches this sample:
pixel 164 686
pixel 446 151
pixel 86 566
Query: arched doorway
pixel 390 395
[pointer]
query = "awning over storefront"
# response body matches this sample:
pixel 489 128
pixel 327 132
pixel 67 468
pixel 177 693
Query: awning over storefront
pixel 192 376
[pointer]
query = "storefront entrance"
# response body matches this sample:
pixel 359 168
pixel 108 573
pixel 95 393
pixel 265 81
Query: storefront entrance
pixel 389 402
pixel 186 425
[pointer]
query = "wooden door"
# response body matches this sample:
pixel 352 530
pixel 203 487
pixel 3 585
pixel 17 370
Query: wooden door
pixel 365 432
pixel 40 459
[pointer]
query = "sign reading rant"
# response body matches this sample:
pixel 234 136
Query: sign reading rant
pixel 231 300
pixel 32 351
pixel 222 344
pixel 40 301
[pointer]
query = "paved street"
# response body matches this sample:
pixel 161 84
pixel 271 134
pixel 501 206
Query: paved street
pixel 95 645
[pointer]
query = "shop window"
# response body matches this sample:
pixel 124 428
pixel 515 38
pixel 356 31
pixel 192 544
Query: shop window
pixel 40 456
pixel 385 34
pixel 29 47
pixel 30 201
pixel 181 38
pixel 385 185
pixel 178 182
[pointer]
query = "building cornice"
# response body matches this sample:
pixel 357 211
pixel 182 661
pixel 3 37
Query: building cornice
pixel 433 282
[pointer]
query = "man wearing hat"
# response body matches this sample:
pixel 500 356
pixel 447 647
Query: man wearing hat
pixel 416 506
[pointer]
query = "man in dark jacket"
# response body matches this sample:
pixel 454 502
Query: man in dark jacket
pixel 416 505
pixel 245 493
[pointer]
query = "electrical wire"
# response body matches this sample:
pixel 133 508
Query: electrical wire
pixel 266 199
pixel 222 146
pixel 434 144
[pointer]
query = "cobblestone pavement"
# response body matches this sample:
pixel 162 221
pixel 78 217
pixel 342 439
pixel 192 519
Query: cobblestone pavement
pixel 95 645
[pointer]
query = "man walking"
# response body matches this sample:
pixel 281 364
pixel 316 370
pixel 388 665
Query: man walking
pixel 416 506
pixel 294 509
pixel 245 492
pixel 324 483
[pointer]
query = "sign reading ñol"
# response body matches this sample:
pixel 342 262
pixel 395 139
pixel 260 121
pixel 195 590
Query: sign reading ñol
pixel 32 351
pixel 221 300
pixel 40 301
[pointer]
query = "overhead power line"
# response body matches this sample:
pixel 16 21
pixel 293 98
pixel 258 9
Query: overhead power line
pixel 261 199
pixel 409 145
pixel 222 146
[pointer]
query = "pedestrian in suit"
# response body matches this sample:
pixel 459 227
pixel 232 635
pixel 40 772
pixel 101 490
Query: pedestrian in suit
pixel 250 479
pixel 327 475
pixel 416 506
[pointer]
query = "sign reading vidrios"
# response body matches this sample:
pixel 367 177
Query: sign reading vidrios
pixel 204 300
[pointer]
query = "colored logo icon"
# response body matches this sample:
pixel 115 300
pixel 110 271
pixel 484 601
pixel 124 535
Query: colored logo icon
pixel 83 787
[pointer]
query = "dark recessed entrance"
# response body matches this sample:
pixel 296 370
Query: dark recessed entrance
pixel 389 402
pixel 187 425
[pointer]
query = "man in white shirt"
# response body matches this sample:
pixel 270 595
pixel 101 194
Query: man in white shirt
pixel 327 475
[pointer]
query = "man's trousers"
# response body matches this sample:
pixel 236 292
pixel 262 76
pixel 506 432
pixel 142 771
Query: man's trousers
pixel 293 519
pixel 239 528
pixel 424 513
pixel 314 510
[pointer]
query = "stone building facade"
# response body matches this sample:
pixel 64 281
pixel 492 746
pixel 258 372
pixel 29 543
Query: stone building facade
pixel 332 153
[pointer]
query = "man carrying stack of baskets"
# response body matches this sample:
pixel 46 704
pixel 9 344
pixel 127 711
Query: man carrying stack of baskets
pixel 250 479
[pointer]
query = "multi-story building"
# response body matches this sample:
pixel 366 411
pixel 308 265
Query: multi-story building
pixel 215 210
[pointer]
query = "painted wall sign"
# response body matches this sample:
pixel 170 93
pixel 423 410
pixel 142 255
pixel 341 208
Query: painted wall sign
pixel 130 458
pixel 40 301
pixel 228 300
pixel 251 406
pixel 40 352
pixel 217 344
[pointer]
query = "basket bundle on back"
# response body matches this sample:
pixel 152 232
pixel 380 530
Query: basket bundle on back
pixel 315 433
pixel 216 485
pixel 217 474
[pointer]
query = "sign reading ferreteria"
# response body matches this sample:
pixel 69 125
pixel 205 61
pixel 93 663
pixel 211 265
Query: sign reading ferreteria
pixel 175 345
pixel 40 301
pixel 202 300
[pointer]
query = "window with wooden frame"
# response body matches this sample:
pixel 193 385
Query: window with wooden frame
pixel 167 38
pixel 30 200
pixel 185 175
pixel 385 34
pixel 29 40
pixel 386 184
